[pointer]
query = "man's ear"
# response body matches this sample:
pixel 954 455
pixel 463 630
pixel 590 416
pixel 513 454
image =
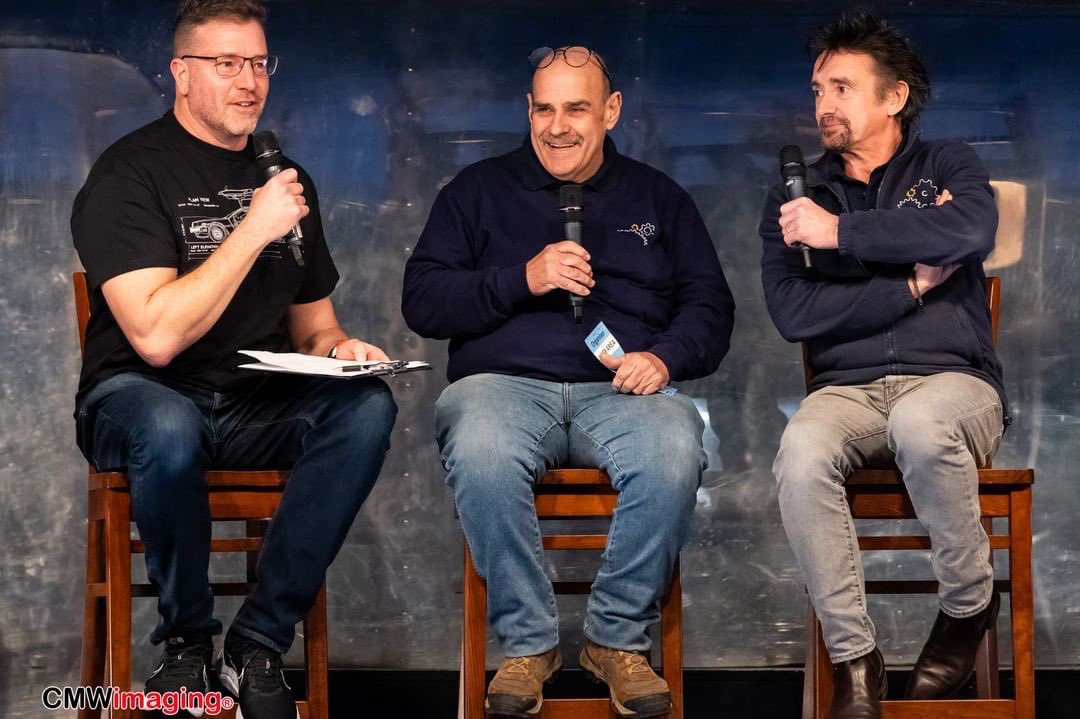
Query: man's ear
pixel 897 98
pixel 612 110
pixel 181 75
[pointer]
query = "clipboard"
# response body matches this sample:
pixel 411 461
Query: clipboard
pixel 296 363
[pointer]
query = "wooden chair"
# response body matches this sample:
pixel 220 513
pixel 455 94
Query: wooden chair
pixel 1004 494
pixel 567 494
pixel 249 497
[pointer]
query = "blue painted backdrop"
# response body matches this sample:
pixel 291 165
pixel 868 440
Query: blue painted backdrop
pixel 383 103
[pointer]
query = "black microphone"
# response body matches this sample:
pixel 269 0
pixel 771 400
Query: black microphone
pixel 571 204
pixel 793 171
pixel 268 155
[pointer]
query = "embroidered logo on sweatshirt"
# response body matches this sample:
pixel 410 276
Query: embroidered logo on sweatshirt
pixel 923 194
pixel 644 231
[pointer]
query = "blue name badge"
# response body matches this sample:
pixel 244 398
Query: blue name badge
pixel 601 340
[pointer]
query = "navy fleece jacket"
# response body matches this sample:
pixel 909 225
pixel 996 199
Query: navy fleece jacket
pixel 853 308
pixel 659 286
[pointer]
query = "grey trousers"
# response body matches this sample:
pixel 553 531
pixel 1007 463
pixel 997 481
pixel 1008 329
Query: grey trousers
pixel 939 430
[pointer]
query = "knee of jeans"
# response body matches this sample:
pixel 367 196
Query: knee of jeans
pixel 172 439
pixel 673 463
pixel 803 458
pixel 481 460
pixel 373 414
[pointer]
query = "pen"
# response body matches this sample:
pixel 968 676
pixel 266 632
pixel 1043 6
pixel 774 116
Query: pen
pixel 383 366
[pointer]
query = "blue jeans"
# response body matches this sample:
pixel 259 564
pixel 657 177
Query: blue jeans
pixel 938 430
pixel 334 435
pixel 499 434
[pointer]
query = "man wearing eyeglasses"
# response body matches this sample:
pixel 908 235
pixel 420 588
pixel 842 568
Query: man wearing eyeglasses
pixel 181 239
pixel 492 272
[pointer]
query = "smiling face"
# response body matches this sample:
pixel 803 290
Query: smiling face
pixel 853 112
pixel 222 111
pixel 570 112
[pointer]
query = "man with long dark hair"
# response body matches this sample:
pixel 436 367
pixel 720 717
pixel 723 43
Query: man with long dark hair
pixel 894 316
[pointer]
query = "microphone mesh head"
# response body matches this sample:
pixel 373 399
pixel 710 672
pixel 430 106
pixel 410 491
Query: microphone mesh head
pixel 791 162
pixel 267 149
pixel 570 198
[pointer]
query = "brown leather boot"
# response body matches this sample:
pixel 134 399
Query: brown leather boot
pixel 947 659
pixel 517 691
pixel 859 686
pixel 636 691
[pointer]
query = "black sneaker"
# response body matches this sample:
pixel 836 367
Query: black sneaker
pixel 183 666
pixel 253 674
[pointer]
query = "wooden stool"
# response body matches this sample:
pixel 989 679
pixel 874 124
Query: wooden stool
pixel 567 494
pixel 1003 493
pixel 250 497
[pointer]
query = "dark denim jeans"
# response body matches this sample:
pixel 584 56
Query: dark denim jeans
pixel 332 433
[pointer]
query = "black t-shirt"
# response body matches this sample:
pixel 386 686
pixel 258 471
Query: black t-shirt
pixel 160 197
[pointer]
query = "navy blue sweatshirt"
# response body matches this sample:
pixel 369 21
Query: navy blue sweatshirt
pixel 659 286
pixel 854 308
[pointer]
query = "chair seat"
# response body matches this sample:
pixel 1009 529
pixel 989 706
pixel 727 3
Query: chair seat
pixel 217 480
pixel 891 478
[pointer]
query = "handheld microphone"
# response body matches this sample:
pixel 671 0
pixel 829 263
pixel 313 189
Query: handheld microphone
pixel 793 172
pixel 268 156
pixel 571 203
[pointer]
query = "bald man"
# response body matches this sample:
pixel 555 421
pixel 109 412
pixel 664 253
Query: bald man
pixel 492 272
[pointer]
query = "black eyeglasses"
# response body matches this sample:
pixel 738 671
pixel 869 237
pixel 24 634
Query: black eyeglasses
pixel 233 65
pixel 574 56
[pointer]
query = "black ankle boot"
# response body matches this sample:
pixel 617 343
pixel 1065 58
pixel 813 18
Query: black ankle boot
pixel 859 686
pixel 947 659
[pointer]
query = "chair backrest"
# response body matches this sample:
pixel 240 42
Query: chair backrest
pixel 993 300
pixel 82 307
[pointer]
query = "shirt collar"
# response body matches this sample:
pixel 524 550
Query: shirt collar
pixel 534 177
pixel 834 161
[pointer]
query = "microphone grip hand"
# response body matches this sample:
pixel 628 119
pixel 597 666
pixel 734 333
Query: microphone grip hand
pixel 563 265
pixel 277 208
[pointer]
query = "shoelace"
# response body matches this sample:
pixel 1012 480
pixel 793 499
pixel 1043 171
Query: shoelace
pixel 518 665
pixel 262 667
pixel 184 659
pixel 267 674
pixel 635 663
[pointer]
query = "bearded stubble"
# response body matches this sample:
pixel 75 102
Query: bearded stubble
pixel 837 141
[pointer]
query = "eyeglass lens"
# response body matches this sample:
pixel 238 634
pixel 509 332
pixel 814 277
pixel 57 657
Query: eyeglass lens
pixel 575 56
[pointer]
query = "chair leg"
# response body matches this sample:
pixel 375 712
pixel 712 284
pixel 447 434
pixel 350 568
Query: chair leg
pixel 818 674
pixel 671 632
pixel 987 681
pixel 118 592
pixel 474 640
pixel 92 671
pixel 1021 602
pixel 316 658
